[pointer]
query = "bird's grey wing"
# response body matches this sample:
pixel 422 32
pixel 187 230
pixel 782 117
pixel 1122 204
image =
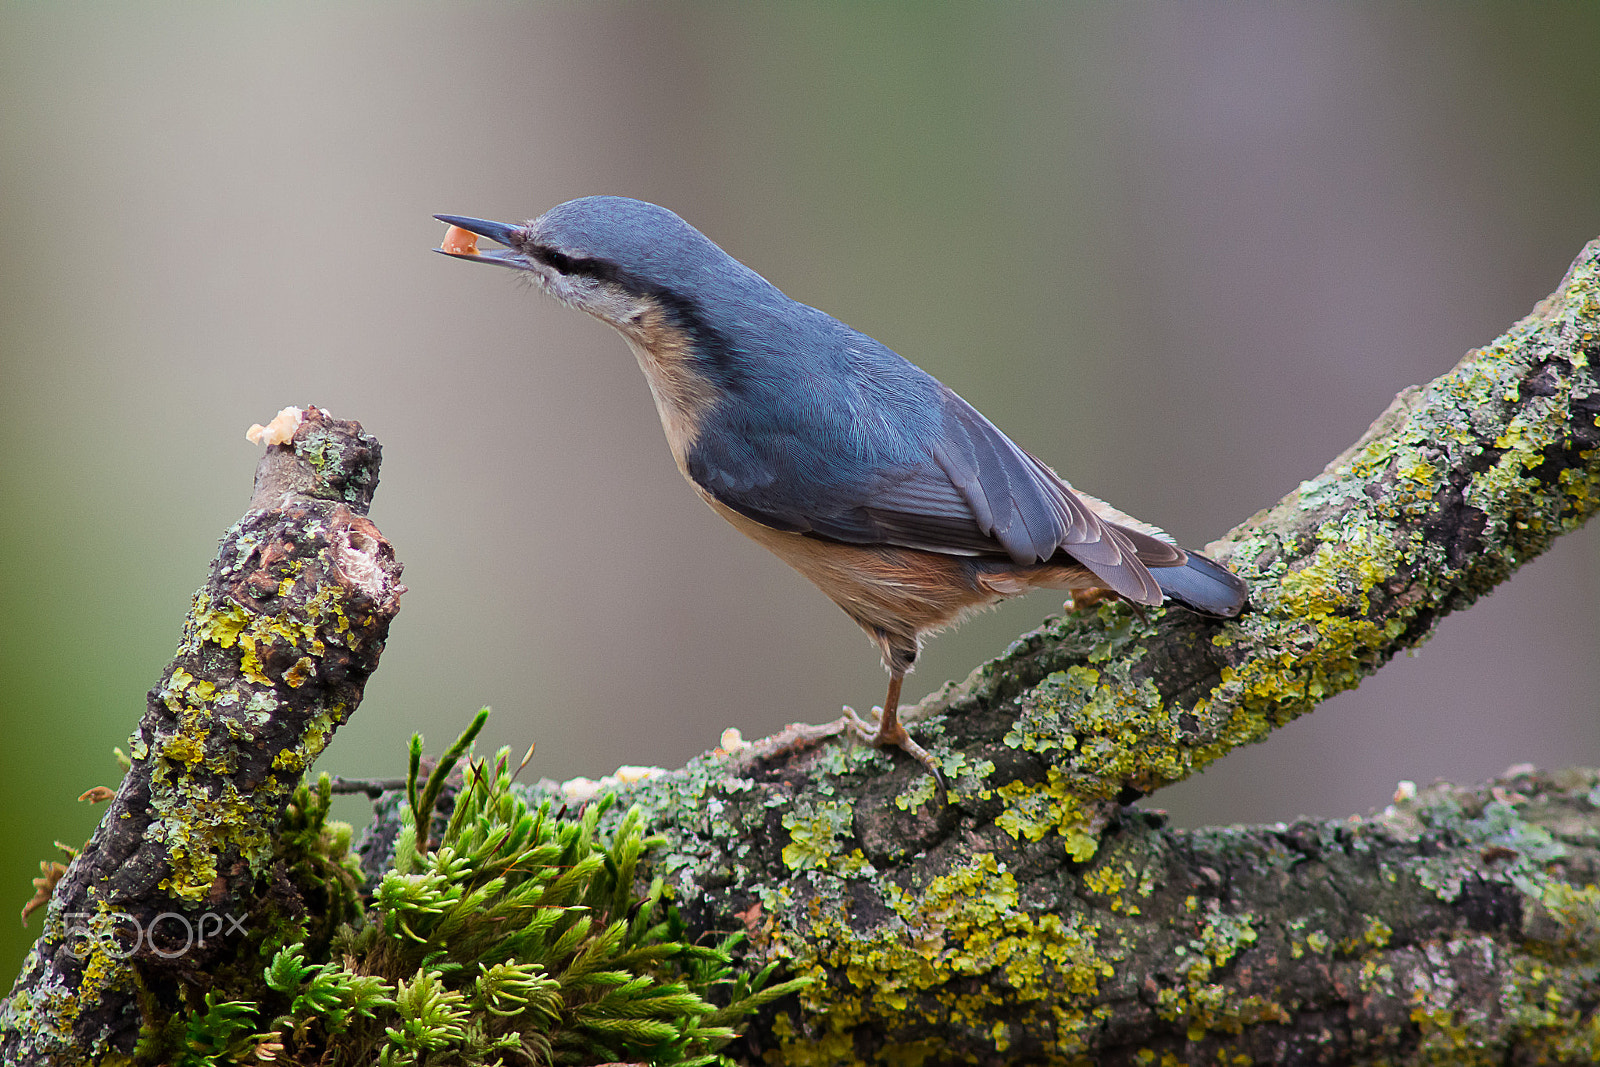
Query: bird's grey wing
pixel 1032 512
pixel 960 487
pixel 905 503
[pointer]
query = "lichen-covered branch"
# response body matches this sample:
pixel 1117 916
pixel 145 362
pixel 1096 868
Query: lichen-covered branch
pixel 181 876
pixel 1031 921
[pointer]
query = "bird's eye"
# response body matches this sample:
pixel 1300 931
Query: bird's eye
pixel 558 260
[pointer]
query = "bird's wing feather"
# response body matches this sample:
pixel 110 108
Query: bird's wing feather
pixel 1032 511
pixel 905 507
pixel 961 487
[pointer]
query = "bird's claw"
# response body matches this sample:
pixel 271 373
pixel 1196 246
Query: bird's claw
pixel 883 734
pixel 877 732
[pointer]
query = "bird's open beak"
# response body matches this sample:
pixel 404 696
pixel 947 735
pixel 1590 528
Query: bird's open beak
pixel 498 232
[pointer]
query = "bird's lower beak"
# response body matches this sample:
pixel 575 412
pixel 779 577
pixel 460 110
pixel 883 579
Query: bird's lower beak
pixel 459 245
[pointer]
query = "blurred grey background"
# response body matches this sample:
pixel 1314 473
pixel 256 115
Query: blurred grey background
pixel 1186 254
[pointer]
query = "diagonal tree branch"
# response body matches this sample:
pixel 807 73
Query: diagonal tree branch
pixel 1451 489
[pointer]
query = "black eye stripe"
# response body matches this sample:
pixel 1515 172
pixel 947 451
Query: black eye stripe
pixel 551 257
pixel 589 268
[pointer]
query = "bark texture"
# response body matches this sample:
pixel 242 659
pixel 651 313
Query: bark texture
pixel 180 876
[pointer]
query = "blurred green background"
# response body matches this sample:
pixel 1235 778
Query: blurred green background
pixel 1184 253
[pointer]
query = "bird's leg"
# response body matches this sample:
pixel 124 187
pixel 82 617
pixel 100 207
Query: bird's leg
pixel 888 730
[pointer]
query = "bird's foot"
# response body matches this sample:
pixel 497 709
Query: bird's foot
pixel 887 731
pixel 877 732
pixel 1083 599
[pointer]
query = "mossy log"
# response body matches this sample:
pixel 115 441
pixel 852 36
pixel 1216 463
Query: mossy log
pixel 181 879
pixel 1035 918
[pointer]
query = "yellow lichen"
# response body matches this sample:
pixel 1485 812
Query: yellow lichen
pixel 1032 811
pixel 968 923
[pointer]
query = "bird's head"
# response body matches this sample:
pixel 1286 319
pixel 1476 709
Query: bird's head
pixel 684 305
pixel 618 259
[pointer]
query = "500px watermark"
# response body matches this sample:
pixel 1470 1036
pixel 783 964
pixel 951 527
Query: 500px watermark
pixel 168 935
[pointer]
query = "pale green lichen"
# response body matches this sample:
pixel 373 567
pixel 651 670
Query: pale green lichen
pixel 814 834
pixel 1201 1004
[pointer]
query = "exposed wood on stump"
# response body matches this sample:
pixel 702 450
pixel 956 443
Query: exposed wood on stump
pixel 275 652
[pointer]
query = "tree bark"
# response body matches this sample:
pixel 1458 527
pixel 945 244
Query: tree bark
pixel 180 877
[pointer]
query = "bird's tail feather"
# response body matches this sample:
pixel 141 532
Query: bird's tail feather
pixel 1204 586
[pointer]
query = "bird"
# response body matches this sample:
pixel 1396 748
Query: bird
pixel 876 481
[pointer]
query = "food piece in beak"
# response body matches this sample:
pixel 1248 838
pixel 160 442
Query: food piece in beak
pixel 459 242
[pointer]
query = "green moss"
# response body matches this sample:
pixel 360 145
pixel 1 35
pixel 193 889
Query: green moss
pixel 523 935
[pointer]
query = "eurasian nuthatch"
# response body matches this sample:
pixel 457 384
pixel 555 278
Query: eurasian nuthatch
pixel 874 480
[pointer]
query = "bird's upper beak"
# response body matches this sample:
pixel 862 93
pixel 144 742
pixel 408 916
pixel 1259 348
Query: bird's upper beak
pixel 498 232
